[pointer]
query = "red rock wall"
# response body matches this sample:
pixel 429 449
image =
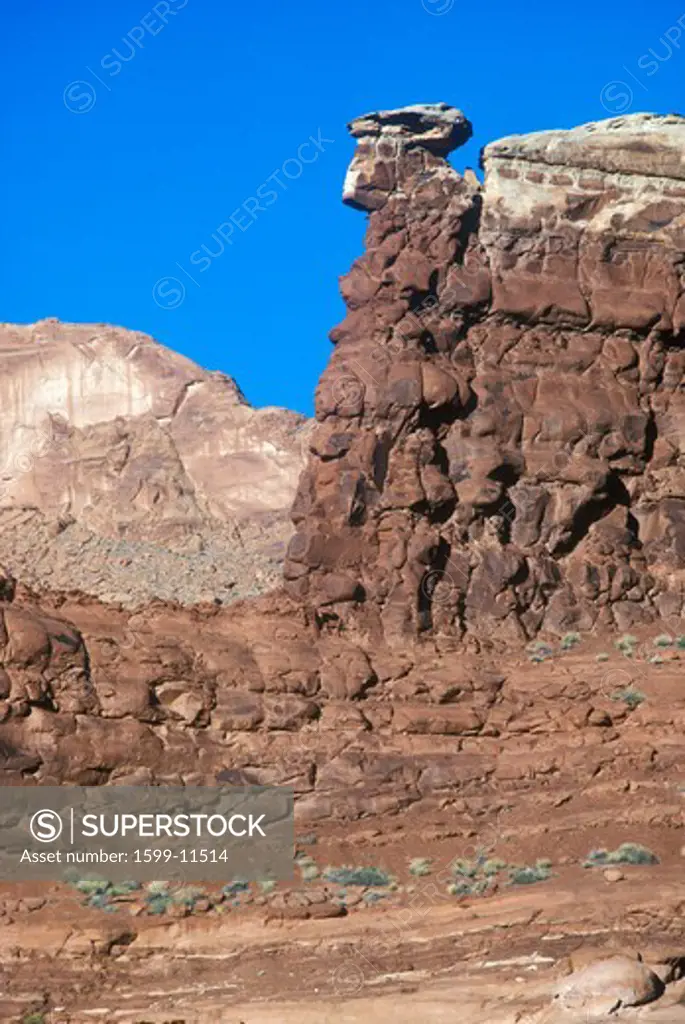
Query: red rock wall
pixel 499 426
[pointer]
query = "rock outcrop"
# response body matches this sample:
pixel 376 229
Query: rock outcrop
pixel 129 472
pixel 499 440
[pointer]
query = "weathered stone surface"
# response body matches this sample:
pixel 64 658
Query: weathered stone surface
pixel 507 383
pixel 608 986
pixel 109 448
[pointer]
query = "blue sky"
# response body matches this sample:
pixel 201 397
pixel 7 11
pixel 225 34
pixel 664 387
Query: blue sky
pixel 132 132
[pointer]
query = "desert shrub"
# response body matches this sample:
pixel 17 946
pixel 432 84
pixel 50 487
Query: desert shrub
pixel 627 853
pixel 493 866
pixel 656 659
pixel 374 896
pixel 475 887
pixel 569 640
pixel 357 876
pixel 466 868
pixel 539 651
pixel 235 887
pixel 602 657
pixel 629 696
pixel 627 644
pixel 420 866
pixel 527 875
pixel 158 897
pixel 98 892
pixel 266 885
pixel 188 895
pixel 92 886
pixel 475 877
pixel 307 867
pixel 124 888
pixel 37 1017
pixel 157 888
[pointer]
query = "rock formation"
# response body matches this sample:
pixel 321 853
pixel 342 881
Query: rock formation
pixel 499 440
pixel 129 472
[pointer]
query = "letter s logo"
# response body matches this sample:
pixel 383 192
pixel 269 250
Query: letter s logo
pixel 46 826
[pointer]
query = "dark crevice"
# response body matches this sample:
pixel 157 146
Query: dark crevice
pixel 357 513
pixel 614 494
pixel 506 474
pixel 429 582
pixel 439 514
pixel 427 343
pixel 434 419
pixel 469 224
pixel 651 434
pixel 634 528
pixel 441 460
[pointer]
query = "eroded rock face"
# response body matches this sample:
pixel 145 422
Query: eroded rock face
pixel 117 451
pixel 499 440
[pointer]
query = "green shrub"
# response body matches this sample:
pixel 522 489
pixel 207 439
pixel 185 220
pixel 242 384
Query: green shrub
pixel 357 876
pixel 236 887
pixel 663 640
pixel 124 888
pixel 680 643
pixel 374 897
pixel 527 875
pixel 539 651
pixel 420 866
pixel 37 1017
pixel 475 877
pixel 307 867
pixel 629 696
pixel 157 888
pixel 569 640
pixel 627 644
pixel 627 853
pixel 493 866
pixel 158 897
pixel 92 886
pixel 188 895
pixel 465 868
pixel 158 905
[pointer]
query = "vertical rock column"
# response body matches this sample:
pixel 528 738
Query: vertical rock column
pixel 376 492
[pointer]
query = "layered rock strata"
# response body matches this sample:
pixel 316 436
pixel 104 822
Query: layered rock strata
pixel 500 429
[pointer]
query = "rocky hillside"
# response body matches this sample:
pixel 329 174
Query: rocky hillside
pixel 497 454
pixel 499 441
pixel 130 473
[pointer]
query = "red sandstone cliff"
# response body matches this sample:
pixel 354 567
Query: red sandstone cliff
pixel 499 439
